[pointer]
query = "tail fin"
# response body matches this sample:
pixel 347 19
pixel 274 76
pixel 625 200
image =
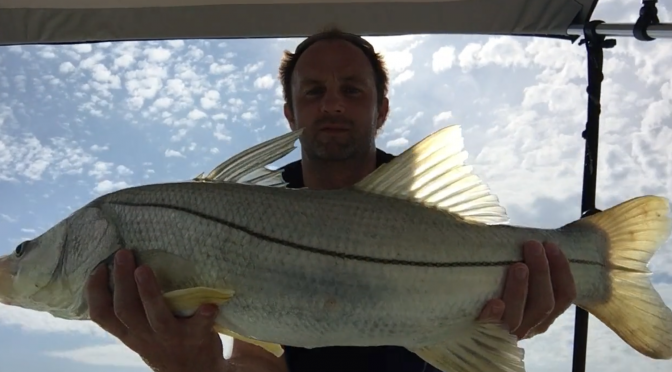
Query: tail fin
pixel 635 311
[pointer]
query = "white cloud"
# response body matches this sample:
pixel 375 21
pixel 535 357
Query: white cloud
pixel 82 48
pixel 210 99
pixel 403 77
pixel 443 59
pixel 33 322
pixel 106 186
pixel 399 142
pixel 505 51
pixel 98 148
pixel 216 68
pixel 27 157
pixel 264 82
pixel 101 169
pixel 196 114
pixel 442 118
pixel 173 154
pixel 66 67
pixel 122 170
pixel 157 54
pixel 253 67
pixel 248 116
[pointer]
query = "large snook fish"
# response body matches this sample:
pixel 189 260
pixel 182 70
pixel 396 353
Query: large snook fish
pixel 406 257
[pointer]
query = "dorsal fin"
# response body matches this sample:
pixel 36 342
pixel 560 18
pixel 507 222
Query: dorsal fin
pixel 250 166
pixel 433 173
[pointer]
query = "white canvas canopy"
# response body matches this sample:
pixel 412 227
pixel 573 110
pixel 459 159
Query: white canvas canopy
pixel 67 21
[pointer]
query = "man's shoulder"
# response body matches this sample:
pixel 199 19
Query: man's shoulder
pixel 383 157
pixel 292 173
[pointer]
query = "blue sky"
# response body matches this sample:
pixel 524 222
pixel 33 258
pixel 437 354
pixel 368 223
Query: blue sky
pixel 78 121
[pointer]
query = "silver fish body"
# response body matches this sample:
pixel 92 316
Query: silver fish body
pixel 318 268
pixel 407 257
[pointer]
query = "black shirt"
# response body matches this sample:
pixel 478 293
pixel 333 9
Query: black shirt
pixel 345 358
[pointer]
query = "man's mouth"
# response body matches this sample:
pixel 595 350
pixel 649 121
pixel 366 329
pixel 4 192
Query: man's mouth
pixel 334 128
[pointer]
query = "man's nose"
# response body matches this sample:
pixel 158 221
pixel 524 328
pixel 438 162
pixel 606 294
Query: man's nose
pixel 333 102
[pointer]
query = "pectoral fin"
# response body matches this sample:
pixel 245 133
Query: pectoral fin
pixel 274 349
pixel 484 347
pixel 185 302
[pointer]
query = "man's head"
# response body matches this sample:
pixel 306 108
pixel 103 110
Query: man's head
pixel 335 87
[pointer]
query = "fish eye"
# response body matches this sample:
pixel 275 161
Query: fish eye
pixel 20 249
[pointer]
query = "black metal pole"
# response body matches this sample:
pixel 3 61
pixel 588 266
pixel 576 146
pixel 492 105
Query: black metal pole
pixel 595 45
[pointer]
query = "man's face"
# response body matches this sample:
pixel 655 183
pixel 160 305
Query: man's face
pixel 334 95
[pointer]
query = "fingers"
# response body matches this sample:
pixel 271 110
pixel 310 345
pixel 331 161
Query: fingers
pixel 157 311
pixel 162 319
pixel 515 296
pixel 205 317
pixel 492 311
pixel 99 299
pixel 127 304
pixel 564 288
pixel 540 300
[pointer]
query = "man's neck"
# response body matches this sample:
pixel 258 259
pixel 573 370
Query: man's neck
pixel 326 175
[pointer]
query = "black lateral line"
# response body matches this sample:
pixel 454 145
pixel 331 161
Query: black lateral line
pixel 345 256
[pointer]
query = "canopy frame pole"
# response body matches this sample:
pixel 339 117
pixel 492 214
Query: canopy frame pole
pixel 595 45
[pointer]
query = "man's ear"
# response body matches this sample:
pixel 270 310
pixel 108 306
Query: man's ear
pixel 289 115
pixel 383 110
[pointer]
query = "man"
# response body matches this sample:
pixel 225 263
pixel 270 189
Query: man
pixel 335 87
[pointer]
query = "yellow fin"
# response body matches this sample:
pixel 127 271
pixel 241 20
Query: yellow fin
pixel 185 302
pixel 272 348
pixel 250 166
pixel 634 310
pixel 433 173
pixel 486 346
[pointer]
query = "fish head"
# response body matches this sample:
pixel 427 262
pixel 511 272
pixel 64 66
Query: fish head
pixel 49 272
pixel 32 266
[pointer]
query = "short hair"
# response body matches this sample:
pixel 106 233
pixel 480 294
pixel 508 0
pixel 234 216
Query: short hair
pixel 290 59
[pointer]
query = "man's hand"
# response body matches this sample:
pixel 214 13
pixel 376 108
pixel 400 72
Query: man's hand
pixel 536 292
pixel 138 316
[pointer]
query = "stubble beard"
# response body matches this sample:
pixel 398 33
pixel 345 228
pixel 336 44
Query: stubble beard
pixel 330 148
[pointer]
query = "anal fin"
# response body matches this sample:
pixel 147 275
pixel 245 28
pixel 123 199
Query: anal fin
pixel 272 348
pixel 486 347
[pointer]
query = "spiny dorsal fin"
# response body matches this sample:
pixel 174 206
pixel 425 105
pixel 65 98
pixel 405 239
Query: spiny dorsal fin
pixel 433 173
pixel 250 166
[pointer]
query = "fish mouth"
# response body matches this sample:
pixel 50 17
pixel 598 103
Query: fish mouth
pixel 6 280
